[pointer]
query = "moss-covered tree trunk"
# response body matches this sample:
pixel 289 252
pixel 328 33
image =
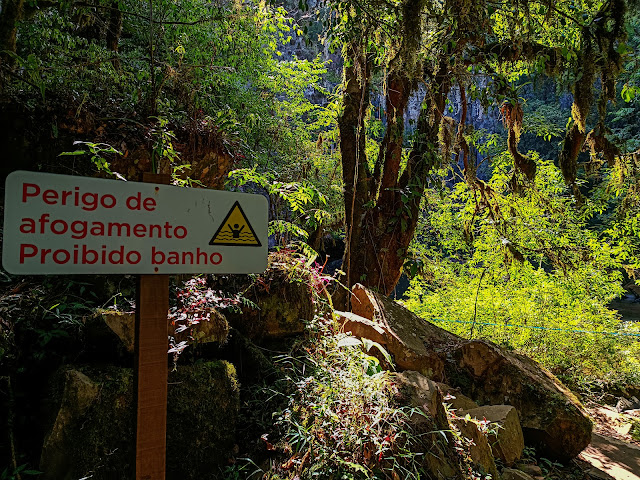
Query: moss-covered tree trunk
pixel 382 203
pixel 11 12
pixel 352 149
pixel 384 228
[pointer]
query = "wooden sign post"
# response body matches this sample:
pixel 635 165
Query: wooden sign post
pixel 152 306
pixel 62 224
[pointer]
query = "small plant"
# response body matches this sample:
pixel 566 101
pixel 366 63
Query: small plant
pixel 97 152
pixel 10 473
pixel 549 467
pixel 163 139
pixel 243 469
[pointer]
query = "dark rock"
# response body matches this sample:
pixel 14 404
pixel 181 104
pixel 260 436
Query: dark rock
pixel 78 395
pixel 530 469
pixel 202 413
pixel 513 474
pixel 93 434
pixel 96 440
pixel 283 302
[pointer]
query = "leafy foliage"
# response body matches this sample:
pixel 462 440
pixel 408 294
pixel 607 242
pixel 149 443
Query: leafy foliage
pixel 532 272
pixel 341 419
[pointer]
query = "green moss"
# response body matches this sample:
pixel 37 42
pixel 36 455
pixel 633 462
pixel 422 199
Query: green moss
pixel 202 416
pixel 203 404
pixel 635 430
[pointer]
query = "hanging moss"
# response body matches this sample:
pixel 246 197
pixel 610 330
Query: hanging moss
pixel 599 54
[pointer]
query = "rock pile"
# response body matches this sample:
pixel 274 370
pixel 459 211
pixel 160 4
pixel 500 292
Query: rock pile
pixel 550 416
pixel 493 401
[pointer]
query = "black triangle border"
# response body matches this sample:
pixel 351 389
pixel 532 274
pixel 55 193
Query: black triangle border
pixel 237 203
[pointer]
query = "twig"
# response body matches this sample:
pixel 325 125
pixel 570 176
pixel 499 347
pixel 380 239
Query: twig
pixel 475 306
pixel 10 419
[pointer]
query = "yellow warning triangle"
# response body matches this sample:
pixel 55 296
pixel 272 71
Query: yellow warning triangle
pixel 235 230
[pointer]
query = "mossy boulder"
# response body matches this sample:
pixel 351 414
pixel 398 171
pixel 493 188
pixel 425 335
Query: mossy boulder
pixel 211 328
pixel 93 434
pixel 552 418
pixel 428 424
pixel 92 438
pixel 79 393
pixel 202 413
pixel 282 301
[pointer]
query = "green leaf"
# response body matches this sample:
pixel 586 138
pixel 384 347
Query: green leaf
pixel 369 344
pixel 76 152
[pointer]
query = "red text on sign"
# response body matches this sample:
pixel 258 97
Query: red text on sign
pixel 199 257
pixel 79 255
pixel 79 229
pixel 85 200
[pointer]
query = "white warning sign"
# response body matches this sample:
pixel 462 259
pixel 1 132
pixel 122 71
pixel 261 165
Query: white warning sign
pixel 68 224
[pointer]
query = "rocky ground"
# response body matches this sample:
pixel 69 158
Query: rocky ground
pixel 614 451
pixel 479 411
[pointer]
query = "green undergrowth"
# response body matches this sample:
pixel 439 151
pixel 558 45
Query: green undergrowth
pixel 337 415
pixel 535 269
pixel 562 323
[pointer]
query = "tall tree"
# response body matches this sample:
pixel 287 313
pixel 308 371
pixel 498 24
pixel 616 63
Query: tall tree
pixel 443 46
pixel 10 14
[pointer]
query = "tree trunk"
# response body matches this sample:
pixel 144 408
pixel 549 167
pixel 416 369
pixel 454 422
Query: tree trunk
pixel 113 33
pixel 377 247
pixel 352 149
pixel 373 257
pixel 11 13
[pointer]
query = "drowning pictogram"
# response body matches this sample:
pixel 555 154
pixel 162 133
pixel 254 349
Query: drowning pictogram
pixel 235 230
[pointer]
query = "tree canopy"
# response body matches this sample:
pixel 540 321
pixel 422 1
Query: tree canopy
pixel 457 142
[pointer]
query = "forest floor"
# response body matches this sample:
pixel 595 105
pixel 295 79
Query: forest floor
pixel 613 450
